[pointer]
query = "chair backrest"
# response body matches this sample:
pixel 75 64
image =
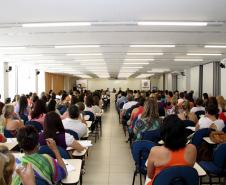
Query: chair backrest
pixel 35 124
pixel 197 138
pixel 177 175
pixel 152 135
pixel 199 113
pixel 73 133
pixel 24 117
pixel 46 150
pixel 188 123
pixel 91 115
pixel 8 134
pixel 140 151
pixel 219 156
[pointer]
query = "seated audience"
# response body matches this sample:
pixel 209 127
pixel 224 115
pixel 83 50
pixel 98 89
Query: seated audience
pixel 185 113
pixel 89 103
pixel 210 120
pixel 53 128
pixel 205 99
pixel 174 152
pixel 54 171
pixel 52 106
pixel 149 119
pixel 12 121
pixel 96 105
pixel 22 108
pixel 199 106
pixel 74 123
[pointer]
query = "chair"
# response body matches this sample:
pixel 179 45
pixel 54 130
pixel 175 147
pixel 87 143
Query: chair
pixel 199 113
pixel 152 135
pixel 24 117
pixel 73 133
pixel 177 175
pixel 9 134
pixel 216 167
pixel 46 150
pixel 140 151
pixel 35 124
pixel 197 138
pixel 90 114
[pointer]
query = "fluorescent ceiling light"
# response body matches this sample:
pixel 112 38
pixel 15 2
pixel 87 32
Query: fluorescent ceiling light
pixel 26 55
pixel 77 46
pixel 171 23
pixel 144 53
pixel 12 47
pixel 158 70
pixel 84 54
pixel 144 75
pixel 204 54
pixel 188 60
pixel 84 76
pixel 139 59
pixel 135 63
pixel 92 64
pixel 131 67
pixel 90 60
pixel 152 46
pixel 215 46
pixel 55 24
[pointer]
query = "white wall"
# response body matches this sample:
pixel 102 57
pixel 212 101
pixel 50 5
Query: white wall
pixel 41 82
pixel 168 82
pixel 94 84
pixel 194 80
pixel 181 83
pixel 160 83
pixel 223 82
pixel 208 78
pixel 1 81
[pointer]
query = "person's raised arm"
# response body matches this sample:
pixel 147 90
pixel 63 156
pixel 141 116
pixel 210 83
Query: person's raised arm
pixel 52 145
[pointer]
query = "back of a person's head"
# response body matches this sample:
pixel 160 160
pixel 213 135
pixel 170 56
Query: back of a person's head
pixel 51 105
pixel 129 97
pixel 212 109
pixel 73 111
pixel 63 97
pixel 1 107
pixel 213 100
pixel 8 111
pixel 52 125
pixel 172 132
pixel 123 93
pixel 28 138
pixel 96 100
pixel 205 96
pixel 81 106
pixel 89 101
pixel 74 100
pixel 181 95
pixel 170 93
pixel 7 100
pixel 141 101
pixel 39 108
pixel 150 109
pixel 199 102
pixel 22 104
pixel 7 165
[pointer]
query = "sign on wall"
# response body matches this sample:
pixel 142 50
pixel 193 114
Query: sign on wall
pixel 145 85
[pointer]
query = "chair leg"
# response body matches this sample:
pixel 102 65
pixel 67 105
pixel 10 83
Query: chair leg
pixel 134 176
pixel 141 179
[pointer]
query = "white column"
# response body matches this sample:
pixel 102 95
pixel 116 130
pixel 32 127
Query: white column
pixel 5 93
pixel 188 78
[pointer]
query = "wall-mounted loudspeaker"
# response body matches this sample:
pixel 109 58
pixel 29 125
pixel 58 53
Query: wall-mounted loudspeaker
pixel 9 69
pixel 37 72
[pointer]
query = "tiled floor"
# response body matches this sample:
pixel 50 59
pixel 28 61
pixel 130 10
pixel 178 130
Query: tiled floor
pixel 110 161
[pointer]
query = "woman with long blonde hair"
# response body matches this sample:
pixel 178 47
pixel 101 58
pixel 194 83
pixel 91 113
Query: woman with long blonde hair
pixel 149 119
pixel 221 103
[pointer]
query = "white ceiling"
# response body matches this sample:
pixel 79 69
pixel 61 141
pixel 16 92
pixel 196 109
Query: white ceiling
pixel 114 28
